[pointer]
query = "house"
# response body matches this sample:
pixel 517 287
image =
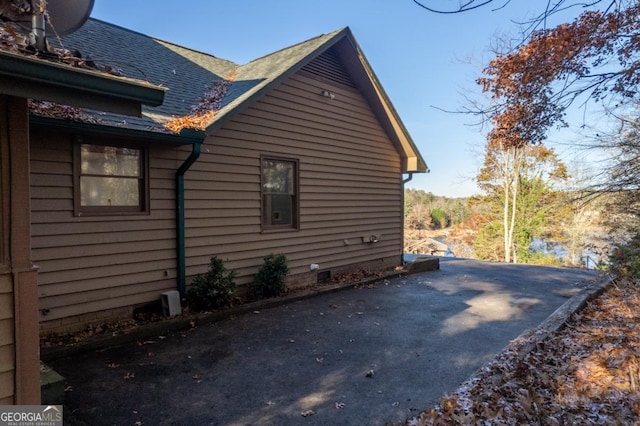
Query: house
pixel 300 152
pixel 25 77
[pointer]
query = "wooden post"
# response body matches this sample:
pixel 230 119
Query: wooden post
pixel 15 246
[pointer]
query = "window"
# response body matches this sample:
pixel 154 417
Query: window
pixel 110 179
pixel 279 193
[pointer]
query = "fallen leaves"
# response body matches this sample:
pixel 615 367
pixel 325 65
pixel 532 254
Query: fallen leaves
pixel 95 331
pixel 206 109
pixel 15 38
pixel 52 109
pixel 587 373
pixel 356 276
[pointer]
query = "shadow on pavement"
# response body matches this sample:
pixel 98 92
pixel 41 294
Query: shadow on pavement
pixel 360 356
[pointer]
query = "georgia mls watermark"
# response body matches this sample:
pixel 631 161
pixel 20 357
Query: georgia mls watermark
pixel 30 415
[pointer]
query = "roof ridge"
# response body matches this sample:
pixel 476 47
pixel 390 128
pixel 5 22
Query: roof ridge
pixel 332 33
pixel 193 50
pixel 161 40
pixel 129 30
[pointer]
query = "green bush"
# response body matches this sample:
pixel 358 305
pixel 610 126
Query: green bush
pixel 213 290
pixel 269 281
pixel 439 218
pixel 540 258
pixel 625 259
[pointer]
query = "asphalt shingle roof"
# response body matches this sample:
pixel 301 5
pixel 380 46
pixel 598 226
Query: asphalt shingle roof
pixel 189 74
pixel 185 72
pixel 260 73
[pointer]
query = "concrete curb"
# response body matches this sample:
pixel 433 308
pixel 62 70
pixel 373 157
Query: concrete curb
pixel 154 329
pixel 558 319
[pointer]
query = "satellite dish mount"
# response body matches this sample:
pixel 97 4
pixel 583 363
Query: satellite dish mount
pixel 46 17
pixel 37 36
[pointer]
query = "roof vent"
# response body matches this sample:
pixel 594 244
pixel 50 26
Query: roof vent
pixel 329 66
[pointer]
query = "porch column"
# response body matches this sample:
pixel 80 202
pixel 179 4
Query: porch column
pixel 15 247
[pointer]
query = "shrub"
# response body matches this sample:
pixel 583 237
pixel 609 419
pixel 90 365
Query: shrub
pixel 625 259
pixel 540 258
pixel 214 289
pixel 269 281
pixel 439 218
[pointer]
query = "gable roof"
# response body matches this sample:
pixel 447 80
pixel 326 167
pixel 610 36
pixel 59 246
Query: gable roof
pixel 189 73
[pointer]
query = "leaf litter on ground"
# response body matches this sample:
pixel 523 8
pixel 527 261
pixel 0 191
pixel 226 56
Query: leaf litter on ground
pixel 125 326
pixel 586 373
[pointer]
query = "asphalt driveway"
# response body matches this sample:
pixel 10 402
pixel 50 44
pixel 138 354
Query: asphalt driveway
pixel 365 356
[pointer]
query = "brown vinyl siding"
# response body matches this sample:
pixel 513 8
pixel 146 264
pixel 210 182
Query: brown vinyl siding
pixel 98 263
pixel 349 187
pixel 7 347
pixel 350 183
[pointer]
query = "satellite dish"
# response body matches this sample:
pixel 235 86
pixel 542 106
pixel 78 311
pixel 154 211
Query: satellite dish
pixel 62 17
pixel 66 16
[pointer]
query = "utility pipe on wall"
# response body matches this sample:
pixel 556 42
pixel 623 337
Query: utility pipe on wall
pixel 404 181
pixel 180 220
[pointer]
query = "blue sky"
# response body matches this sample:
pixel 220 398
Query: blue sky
pixel 426 62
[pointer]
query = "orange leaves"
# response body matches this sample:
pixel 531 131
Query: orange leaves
pixel 547 56
pixel 532 85
pixel 206 109
pixel 192 121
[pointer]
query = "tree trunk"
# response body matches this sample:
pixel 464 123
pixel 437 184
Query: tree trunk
pixel 505 222
pixel 512 166
pixel 514 196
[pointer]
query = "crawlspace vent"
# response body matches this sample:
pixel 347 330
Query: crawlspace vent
pixel 324 276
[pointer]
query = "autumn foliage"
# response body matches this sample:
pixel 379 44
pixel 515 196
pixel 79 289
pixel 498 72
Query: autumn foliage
pixel 596 55
pixel 530 87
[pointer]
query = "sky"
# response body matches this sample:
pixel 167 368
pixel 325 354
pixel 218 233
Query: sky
pixel 426 62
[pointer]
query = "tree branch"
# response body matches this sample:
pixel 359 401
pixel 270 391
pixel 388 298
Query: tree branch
pixel 469 5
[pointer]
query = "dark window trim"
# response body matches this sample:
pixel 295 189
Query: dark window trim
pixel 141 209
pixel 295 226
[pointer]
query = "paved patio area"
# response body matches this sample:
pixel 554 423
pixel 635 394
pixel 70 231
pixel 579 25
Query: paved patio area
pixel 359 356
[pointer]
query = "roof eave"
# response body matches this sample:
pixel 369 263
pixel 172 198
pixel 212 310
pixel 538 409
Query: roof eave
pixel 185 137
pixel 44 80
pixel 412 159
